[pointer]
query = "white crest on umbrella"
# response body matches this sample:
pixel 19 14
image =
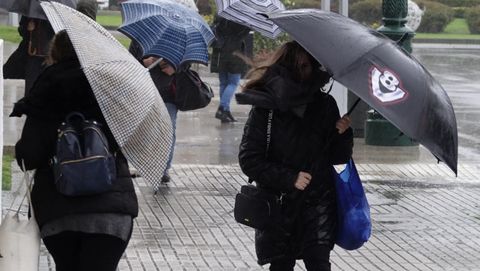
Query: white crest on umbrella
pixel 125 92
pixel 386 86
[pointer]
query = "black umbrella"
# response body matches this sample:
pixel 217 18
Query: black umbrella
pixel 381 73
pixel 31 8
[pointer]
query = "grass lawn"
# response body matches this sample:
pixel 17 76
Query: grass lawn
pixel 457 29
pixel 457 26
pixel 7 172
pixel 9 33
pixel 124 41
pixel 109 20
pixel 447 36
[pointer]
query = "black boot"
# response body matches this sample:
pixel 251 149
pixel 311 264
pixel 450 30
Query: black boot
pixel 221 115
pixel 166 178
pixel 229 116
pixel 219 112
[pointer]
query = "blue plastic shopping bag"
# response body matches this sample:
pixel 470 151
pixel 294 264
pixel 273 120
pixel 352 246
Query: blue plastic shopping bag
pixel 354 224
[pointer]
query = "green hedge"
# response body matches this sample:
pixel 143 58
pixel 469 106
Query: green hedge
pixel 368 12
pixel 460 3
pixel 436 17
pixel 473 20
pixel 459 12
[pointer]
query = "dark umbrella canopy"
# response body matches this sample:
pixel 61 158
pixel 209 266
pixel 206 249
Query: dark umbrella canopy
pixel 31 8
pixel 381 73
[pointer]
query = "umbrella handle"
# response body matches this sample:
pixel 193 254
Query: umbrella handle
pixel 154 64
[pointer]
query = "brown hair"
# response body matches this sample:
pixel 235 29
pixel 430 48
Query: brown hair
pixel 61 49
pixel 287 56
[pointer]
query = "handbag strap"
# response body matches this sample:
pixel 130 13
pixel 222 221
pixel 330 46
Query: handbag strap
pixel 28 188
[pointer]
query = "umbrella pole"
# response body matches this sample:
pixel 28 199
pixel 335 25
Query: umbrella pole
pixel 353 107
pixel 154 64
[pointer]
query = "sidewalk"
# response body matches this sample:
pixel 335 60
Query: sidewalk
pixel 423 217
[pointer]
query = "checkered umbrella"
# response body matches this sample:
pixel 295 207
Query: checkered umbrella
pixel 167 29
pixel 125 92
pixel 249 13
pixel 31 8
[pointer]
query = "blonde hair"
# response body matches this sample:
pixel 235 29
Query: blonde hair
pixel 287 55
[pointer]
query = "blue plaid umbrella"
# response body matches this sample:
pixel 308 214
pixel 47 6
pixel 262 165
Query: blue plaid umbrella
pixel 167 29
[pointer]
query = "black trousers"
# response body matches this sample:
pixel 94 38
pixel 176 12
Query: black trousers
pixel 316 258
pixel 77 251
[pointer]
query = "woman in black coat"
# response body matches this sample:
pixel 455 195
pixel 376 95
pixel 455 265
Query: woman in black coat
pixel 81 232
pixel 308 136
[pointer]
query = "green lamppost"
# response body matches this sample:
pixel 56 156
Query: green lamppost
pixel 378 131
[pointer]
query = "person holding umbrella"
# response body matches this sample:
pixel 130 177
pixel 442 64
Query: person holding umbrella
pixel 307 136
pixel 80 232
pixel 227 57
pixel 28 60
pixel 165 77
pixel 173 34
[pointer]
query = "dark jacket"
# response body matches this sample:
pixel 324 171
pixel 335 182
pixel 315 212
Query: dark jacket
pixel 230 38
pixel 162 81
pixel 59 90
pixel 303 138
pixel 166 84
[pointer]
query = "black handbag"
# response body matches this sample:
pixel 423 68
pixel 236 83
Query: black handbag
pixel 257 207
pixel 190 91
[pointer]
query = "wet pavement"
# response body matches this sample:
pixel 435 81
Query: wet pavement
pixel 424 218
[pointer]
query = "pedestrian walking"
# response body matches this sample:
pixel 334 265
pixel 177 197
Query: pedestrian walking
pixel 165 77
pixel 80 232
pixel 307 137
pixel 227 58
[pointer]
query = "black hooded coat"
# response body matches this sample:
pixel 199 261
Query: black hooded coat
pixel 303 138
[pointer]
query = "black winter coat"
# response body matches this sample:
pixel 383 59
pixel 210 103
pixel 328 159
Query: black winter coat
pixel 230 38
pixel 59 90
pixel 303 138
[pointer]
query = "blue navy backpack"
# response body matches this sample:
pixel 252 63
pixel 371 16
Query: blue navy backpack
pixel 83 164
